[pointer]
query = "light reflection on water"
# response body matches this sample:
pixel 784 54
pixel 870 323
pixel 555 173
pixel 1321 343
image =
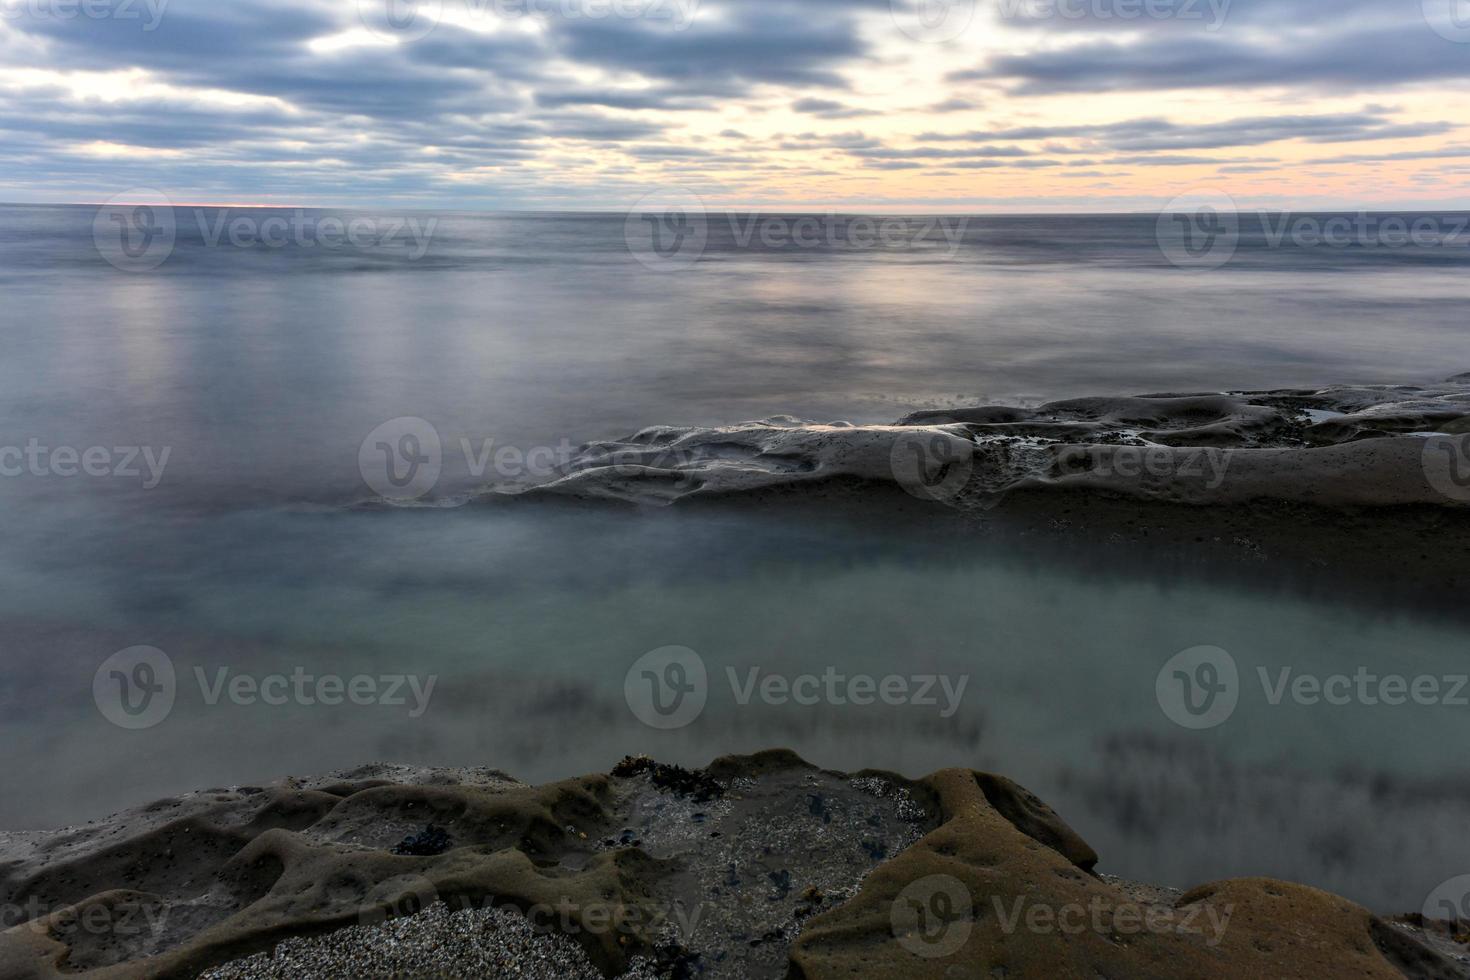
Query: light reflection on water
pixel 263 370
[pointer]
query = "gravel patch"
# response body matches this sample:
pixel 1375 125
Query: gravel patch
pixel 491 943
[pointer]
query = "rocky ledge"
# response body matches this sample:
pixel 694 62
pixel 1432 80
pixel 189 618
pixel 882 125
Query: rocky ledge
pixel 1343 446
pixel 759 866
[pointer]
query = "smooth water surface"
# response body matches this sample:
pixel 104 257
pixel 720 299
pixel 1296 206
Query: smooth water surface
pixel 262 370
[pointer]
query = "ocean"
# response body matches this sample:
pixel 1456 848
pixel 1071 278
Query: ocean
pixel 185 455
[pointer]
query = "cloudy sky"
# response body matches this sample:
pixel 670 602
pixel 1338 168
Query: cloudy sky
pixel 982 105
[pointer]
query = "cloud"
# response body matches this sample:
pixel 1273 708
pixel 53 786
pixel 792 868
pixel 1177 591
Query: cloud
pixel 828 109
pixel 1370 123
pixel 1351 60
pixel 752 43
pixel 230 99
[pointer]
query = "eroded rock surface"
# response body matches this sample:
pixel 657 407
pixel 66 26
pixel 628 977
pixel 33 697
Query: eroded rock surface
pixel 1344 446
pixel 759 866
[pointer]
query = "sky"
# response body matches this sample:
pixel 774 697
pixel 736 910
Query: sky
pixel 882 105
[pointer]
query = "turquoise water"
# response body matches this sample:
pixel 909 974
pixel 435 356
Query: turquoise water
pixel 530 618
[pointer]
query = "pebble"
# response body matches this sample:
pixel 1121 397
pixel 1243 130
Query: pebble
pixel 492 943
